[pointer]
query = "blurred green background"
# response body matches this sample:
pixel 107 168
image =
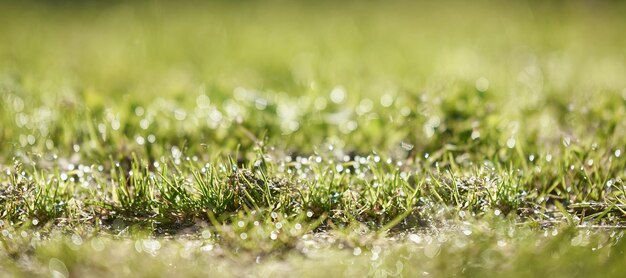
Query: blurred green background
pixel 231 73
pixel 506 111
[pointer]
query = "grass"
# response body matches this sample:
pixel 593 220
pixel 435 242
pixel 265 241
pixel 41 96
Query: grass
pixel 313 139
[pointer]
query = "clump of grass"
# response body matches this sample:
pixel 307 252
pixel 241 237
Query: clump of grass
pixel 358 140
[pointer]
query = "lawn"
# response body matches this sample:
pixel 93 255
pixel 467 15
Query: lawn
pixel 313 139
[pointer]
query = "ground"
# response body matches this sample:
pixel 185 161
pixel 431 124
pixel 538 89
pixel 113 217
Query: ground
pixel 312 139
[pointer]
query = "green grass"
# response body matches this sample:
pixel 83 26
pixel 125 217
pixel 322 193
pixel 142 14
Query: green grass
pixel 315 139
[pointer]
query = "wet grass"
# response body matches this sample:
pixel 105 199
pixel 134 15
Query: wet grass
pixel 386 139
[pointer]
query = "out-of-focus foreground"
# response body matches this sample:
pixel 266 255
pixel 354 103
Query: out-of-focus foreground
pixel 314 138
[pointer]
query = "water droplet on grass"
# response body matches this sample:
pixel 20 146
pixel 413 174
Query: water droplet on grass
pixel 338 94
pixel 151 245
pixel 176 152
pixel 510 143
pixel 406 146
pixel 567 141
pixel 320 103
pixel 482 84
pixel 57 268
pixel 501 243
pixel 431 250
pixel 386 100
pixel 31 139
pixel 260 103
pixel 115 124
pixel 180 114
pixel 206 234
pixel 339 168
pixel 207 248
pixel 405 111
pixel 140 140
pixel 144 124
pixel 475 134
pixel 365 106
pixel 375 256
pixel 77 240
pixel 415 238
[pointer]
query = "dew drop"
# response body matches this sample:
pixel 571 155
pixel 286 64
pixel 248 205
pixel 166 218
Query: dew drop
pixel 482 84
pixel 338 94
pixel 548 157
pixel 386 100
pixel 415 238
pixel 115 124
pixel 206 234
pixel 510 143
pixel 57 268
pixel 339 168
pixel 567 141
pixel 140 140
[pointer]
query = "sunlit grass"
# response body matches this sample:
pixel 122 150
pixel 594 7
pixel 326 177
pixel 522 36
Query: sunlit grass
pixel 281 139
